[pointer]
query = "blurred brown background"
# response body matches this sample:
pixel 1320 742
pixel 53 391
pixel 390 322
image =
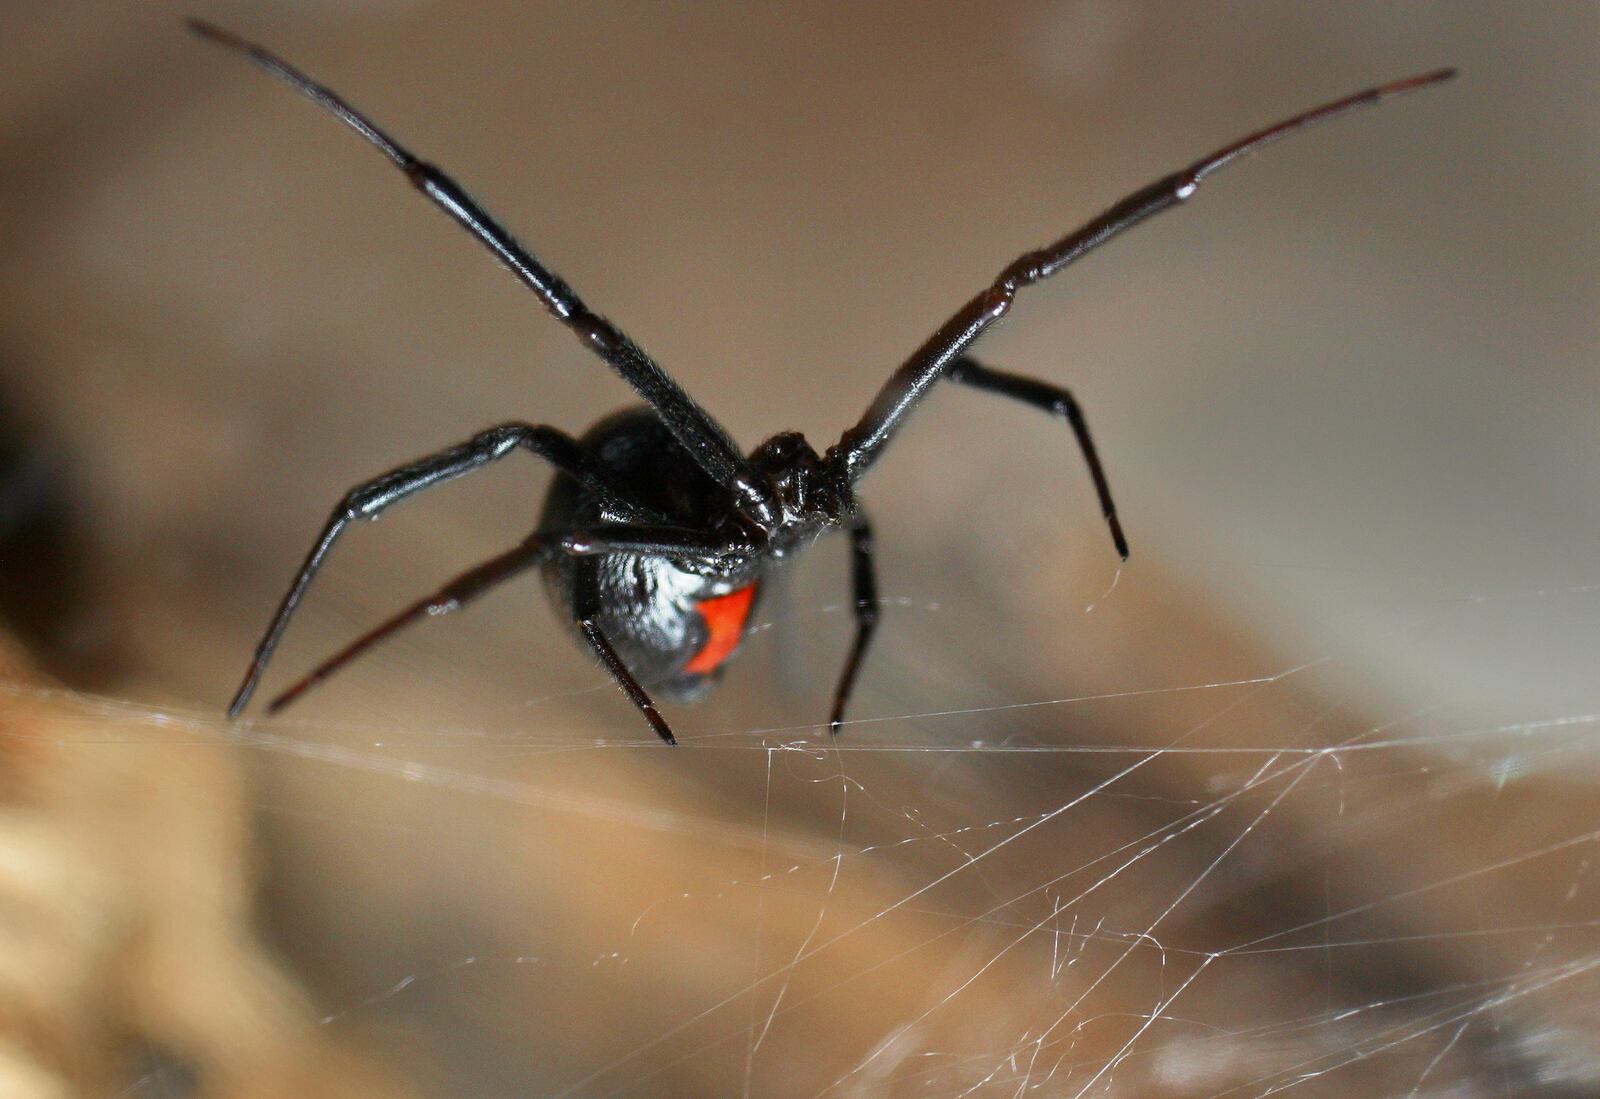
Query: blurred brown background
pixel 1346 400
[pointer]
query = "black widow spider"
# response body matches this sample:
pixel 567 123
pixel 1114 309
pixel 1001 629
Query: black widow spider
pixel 657 532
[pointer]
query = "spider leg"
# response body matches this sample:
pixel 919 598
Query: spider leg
pixel 371 498
pixel 653 541
pixel 865 591
pixel 452 597
pixel 863 443
pixel 587 590
pixel 1058 402
pixel 705 440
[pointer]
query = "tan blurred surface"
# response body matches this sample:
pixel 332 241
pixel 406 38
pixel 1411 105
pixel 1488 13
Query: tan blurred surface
pixel 127 944
pixel 1345 398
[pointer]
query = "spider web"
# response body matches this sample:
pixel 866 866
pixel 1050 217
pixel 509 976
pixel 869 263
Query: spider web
pixel 1239 885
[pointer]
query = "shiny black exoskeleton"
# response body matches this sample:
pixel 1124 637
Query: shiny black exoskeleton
pixel 647 606
pixel 657 530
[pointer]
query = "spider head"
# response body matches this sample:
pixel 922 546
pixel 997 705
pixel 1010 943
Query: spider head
pixel 800 481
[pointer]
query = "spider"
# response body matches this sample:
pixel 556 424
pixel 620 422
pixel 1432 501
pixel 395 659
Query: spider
pixel 657 532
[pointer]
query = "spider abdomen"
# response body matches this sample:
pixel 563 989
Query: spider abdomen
pixel 675 622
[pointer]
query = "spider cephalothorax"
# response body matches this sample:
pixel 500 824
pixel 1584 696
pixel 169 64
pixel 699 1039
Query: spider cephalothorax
pixel 657 531
pixel 810 495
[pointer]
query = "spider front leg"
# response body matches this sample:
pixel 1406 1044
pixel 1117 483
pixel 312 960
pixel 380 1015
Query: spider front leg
pixel 864 586
pixel 1058 402
pixel 371 498
pixel 700 436
pixel 864 443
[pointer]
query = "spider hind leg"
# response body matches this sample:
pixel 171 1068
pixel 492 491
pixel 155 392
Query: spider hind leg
pixel 371 498
pixel 448 599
